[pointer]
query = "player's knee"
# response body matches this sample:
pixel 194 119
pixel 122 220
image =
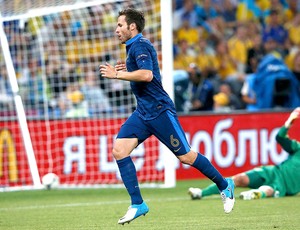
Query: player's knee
pixel 241 180
pixel 123 147
pixel 118 154
pixel 188 158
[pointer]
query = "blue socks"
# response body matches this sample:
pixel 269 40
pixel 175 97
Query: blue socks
pixel 129 177
pixel 204 166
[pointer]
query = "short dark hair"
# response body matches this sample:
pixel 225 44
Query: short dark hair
pixel 134 16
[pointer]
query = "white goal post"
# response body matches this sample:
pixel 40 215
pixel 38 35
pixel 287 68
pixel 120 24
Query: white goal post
pixel 57 115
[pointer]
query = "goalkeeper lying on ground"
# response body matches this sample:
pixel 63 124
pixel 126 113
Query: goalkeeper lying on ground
pixel 268 181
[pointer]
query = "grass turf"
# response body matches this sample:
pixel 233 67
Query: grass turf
pixel 169 209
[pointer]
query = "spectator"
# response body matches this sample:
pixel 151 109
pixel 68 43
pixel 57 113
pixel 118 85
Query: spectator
pixel 293 28
pixel 200 90
pixel 177 4
pixel 253 29
pixel 205 62
pixel 6 95
pixel 219 5
pixel 188 33
pixel 229 15
pixel 187 12
pixel 98 102
pixel 78 108
pixel 234 102
pixel 248 94
pixel 278 5
pixel 78 47
pixel 213 30
pixel 33 25
pixel 55 67
pixel 221 102
pixel 205 11
pixel 296 68
pixel 271 46
pixel 57 29
pixel 121 97
pixel 238 46
pixel 65 97
pixel 109 17
pixel 291 10
pixel 274 30
pixel 35 89
pixel 254 54
pixel 185 56
pixel 181 83
pixel 224 63
pixel 296 71
pixel 226 67
pixel 289 58
pixel 205 57
pixel 95 18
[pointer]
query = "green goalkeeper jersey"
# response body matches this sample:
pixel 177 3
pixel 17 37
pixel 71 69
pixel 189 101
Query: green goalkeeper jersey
pixel 289 170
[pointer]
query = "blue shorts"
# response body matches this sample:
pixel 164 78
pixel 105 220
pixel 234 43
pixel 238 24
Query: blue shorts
pixel 165 127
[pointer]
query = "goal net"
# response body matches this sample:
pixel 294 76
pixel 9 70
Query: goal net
pixel 57 115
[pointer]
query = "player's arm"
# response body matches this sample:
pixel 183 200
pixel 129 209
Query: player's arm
pixel 138 75
pixel 142 75
pixel 282 137
pixel 293 116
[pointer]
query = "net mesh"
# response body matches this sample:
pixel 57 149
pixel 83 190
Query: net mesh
pixel 17 8
pixel 73 114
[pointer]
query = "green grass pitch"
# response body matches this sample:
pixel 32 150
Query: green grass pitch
pixel 169 209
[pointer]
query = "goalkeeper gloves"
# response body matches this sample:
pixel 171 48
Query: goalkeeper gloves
pixel 293 116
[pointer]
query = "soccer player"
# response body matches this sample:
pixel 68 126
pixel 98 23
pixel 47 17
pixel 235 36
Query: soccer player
pixel 155 114
pixel 268 181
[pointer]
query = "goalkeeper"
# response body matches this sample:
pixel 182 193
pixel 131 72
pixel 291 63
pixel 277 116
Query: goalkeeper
pixel 268 181
pixel 155 114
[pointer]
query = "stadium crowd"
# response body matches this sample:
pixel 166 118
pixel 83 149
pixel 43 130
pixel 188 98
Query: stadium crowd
pixel 225 50
pixel 228 55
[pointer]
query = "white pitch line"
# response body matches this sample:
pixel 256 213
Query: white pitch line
pixel 86 204
pixel 95 203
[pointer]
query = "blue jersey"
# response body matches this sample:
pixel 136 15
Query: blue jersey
pixel 151 98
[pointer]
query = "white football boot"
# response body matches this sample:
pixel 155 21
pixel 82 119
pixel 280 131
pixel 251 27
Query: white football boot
pixel 252 194
pixel 133 212
pixel 227 196
pixel 195 193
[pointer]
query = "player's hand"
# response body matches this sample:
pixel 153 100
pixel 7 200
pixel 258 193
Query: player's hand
pixel 293 116
pixel 120 66
pixel 108 71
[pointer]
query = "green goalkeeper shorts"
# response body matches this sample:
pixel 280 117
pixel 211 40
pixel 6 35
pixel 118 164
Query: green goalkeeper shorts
pixel 266 175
